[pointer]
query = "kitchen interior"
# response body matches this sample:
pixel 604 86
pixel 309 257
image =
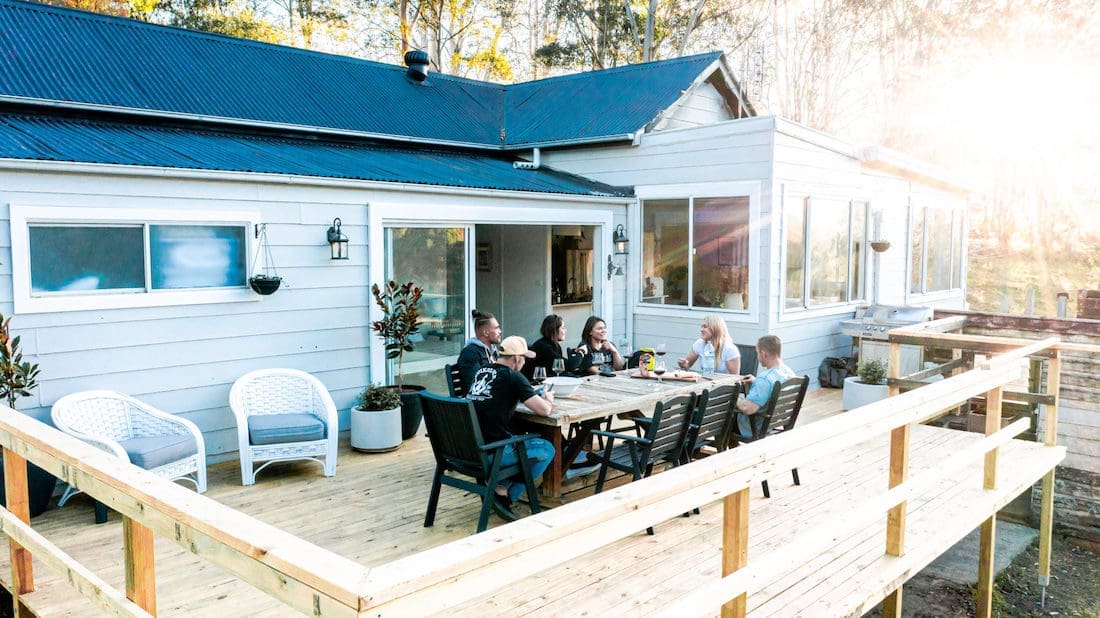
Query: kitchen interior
pixel 524 272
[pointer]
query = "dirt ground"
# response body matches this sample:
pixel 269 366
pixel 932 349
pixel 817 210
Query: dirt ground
pixel 1074 588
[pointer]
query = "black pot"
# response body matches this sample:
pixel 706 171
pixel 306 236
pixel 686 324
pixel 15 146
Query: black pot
pixel 411 412
pixel 265 286
pixel 40 486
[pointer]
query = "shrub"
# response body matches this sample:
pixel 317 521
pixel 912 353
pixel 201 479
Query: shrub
pixel 872 372
pixel 376 397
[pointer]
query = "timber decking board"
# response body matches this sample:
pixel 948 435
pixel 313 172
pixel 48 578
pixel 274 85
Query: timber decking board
pixel 372 512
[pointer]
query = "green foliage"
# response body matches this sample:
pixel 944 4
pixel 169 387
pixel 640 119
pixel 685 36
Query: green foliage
pixel 400 319
pixel 376 397
pixel 17 378
pixel 872 372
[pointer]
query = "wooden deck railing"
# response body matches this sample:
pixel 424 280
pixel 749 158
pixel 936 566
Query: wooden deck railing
pixel 316 581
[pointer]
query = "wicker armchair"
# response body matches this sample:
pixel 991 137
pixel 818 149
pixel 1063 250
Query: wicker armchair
pixel 283 415
pixel 166 445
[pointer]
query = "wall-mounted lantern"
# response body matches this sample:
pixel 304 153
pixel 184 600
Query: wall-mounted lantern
pixel 620 240
pixel 337 241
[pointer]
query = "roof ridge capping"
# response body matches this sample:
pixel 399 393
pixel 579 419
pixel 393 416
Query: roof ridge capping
pixel 619 69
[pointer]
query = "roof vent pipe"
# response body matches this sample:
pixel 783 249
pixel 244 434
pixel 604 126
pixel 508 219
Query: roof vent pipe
pixel 417 60
pixel 533 164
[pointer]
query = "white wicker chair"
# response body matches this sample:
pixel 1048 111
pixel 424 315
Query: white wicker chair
pixel 288 392
pixel 113 422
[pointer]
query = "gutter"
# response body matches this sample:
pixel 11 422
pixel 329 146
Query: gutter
pixel 54 167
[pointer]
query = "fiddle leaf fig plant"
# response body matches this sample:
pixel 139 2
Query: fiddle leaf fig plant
pixel 400 319
pixel 17 378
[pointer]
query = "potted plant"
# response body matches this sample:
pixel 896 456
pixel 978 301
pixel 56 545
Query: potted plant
pixel 867 386
pixel 400 321
pixel 17 379
pixel 376 420
pixel 264 283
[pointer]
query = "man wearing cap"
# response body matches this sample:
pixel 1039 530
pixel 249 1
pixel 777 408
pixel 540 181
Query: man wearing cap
pixel 495 391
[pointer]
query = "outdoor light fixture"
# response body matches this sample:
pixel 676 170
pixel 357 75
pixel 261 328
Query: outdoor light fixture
pixel 612 269
pixel 620 240
pixel 337 241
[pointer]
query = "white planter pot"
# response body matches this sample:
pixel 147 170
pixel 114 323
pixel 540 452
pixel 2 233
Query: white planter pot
pixel 375 431
pixel 858 394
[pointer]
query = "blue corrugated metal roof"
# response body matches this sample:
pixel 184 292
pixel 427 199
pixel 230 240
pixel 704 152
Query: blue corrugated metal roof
pixel 599 103
pixel 59 54
pixel 56 138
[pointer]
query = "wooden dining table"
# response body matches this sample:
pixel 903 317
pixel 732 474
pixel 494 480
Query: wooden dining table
pixel 597 399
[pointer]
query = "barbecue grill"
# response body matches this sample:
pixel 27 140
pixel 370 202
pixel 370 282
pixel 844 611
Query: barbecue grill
pixel 878 320
pixel 871 331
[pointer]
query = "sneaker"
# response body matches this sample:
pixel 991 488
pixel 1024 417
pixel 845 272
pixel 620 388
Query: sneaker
pixel 575 471
pixel 502 506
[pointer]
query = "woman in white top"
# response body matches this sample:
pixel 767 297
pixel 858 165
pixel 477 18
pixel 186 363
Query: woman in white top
pixel 714 343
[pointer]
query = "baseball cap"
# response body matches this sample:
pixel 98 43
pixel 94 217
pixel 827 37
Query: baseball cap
pixel 515 346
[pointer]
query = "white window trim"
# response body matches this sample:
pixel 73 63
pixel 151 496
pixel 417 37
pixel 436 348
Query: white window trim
pixel 935 295
pixel 25 303
pixel 750 189
pixel 436 213
pixel 839 308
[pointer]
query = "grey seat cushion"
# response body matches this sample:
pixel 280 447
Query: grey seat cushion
pixel 281 428
pixel 157 451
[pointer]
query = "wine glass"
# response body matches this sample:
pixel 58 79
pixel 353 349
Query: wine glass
pixel 558 366
pixel 540 374
pixel 660 351
pixel 659 368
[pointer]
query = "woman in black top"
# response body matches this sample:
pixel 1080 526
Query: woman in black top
pixel 548 347
pixel 594 341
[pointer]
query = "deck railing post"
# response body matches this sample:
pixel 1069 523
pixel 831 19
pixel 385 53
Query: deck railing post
pixel 18 503
pixel 895 518
pixel 141 581
pixel 735 545
pixel 993 401
pixel 1050 438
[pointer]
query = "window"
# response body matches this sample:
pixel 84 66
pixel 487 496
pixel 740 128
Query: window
pixel 936 249
pixel 695 252
pixel 72 259
pixel 825 252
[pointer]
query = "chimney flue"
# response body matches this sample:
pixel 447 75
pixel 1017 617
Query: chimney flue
pixel 417 61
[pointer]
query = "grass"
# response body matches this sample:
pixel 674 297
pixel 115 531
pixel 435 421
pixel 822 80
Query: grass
pixel 1003 280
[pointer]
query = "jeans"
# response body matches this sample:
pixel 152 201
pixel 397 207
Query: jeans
pixel 540 453
pixel 743 423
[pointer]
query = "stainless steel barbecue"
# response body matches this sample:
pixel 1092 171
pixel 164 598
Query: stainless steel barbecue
pixel 871 331
pixel 877 321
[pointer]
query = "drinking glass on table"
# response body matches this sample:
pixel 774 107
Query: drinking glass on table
pixel 659 368
pixel 558 366
pixel 539 374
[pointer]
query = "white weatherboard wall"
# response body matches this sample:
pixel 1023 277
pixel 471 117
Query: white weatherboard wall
pixel 184 358
pixel 726 152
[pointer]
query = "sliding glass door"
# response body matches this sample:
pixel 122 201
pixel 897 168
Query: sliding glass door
pixel 436 259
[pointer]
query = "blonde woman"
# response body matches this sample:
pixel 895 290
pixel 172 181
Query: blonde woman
pixel 714 343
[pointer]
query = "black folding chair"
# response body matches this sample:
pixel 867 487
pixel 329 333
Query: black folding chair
pixel 454 381
pixel 455 435
pixel 749 362
pixel 779 415
pixel 661 441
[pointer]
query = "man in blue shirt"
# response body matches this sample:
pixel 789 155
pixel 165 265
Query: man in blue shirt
pixel 769 351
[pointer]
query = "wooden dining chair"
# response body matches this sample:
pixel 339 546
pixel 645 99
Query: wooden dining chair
pixel 715 417
pixel 460 451
pixel 454 381
pixel 662 441
pixel 779 415
pixel 749 362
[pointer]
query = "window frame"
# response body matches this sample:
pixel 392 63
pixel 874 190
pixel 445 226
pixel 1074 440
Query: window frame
pixel 806 201
pixel 25 301
pixel 690 192
pixel 957 260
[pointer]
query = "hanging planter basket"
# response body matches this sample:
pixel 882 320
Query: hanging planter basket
pixel 880 245
pixel 264 285
pixel 267 279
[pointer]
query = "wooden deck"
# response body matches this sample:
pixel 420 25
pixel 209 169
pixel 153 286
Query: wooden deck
pixel 372 513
